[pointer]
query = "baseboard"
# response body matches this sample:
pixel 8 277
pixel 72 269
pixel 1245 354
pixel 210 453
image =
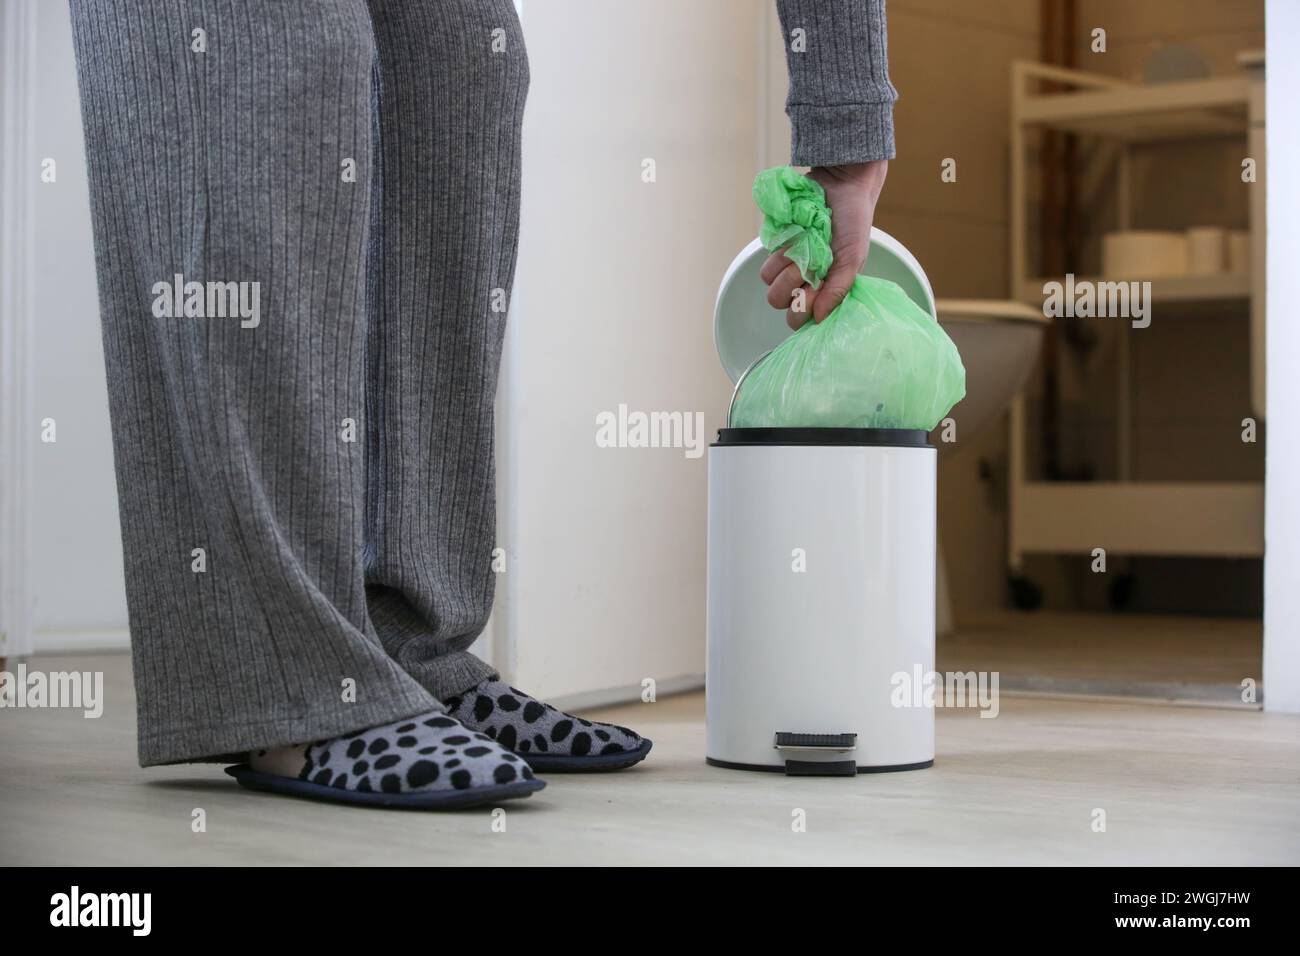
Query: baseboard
pixel 82 642
pixel 627 694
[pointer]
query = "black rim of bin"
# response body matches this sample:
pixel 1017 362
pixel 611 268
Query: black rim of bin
pixel 862 437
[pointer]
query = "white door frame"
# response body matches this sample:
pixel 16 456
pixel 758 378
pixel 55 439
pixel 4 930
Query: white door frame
pixel 18 172
pixel 1282 352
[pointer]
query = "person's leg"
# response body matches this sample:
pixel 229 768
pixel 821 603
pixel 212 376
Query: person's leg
pixel 231 252
pixel 453 79
pixel 214 157
pixel 453 75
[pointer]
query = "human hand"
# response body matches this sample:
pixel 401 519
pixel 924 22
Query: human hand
pixel 851 195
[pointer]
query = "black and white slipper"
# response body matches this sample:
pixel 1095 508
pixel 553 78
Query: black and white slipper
pixel 549 739
pixel 591 763
pixel 412 800
pixel 429 762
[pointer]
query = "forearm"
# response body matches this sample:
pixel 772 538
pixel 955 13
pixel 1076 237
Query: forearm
pixel 841 103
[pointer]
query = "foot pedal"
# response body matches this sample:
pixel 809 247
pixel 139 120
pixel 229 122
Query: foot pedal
pixel 832 743
pixel 821 768
pixel 818 743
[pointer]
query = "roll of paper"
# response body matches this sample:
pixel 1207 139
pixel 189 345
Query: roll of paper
pixel 1206 252
pixel 1238 252
pixel 1144 254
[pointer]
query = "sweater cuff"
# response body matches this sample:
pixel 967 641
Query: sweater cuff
pixel 836 135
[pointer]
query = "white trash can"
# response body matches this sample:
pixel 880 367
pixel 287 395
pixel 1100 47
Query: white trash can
pixel 821 569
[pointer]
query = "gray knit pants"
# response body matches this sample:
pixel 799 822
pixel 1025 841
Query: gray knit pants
pixel 306 217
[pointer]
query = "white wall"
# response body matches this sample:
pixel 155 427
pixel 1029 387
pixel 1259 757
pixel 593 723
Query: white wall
pixel 1282 463
pixel 774 84
pixel 76 559
pixel 613 304
pixel 17 121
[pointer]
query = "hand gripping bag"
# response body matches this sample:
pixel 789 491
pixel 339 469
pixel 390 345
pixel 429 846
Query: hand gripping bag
pixel 877 361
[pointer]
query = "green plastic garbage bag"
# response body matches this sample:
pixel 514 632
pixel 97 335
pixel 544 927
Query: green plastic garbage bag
pixel 878 361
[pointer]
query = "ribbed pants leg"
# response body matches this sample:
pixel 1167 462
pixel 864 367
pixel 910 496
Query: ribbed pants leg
pixel 241 495
pixel 453 79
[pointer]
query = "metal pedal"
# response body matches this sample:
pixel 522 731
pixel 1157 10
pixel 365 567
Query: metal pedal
pixel 818 743
pixel 827 743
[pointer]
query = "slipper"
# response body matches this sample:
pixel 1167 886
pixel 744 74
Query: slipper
pixel 593 763
pixel 416 800
pixel 546 737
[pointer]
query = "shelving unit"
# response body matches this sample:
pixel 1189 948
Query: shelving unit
pixel 1127 516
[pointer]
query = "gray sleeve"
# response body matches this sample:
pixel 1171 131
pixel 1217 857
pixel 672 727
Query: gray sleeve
pixel 841 103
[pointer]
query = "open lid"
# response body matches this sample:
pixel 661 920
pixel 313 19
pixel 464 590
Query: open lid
pixel 745 327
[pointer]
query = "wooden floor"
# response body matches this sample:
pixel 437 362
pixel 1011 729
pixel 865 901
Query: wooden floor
pixel 1179 785
pixel 1197 659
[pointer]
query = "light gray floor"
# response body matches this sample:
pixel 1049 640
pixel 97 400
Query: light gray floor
pixel 1178 785
pixel 1161 657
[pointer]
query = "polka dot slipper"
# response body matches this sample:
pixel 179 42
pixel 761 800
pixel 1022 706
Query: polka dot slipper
pixel 430 762
pixel 549 739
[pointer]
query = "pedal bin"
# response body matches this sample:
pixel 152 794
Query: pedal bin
pixel 821 569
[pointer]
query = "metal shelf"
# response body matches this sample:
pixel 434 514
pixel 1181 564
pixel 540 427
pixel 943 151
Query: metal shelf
pixel 1127 516
pixel 1136 113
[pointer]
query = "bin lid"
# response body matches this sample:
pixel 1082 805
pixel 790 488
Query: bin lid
pixel 745 327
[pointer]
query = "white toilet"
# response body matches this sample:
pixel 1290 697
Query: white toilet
pixel 999 342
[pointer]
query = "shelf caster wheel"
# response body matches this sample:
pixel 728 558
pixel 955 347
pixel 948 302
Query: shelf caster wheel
pixel 1120 592
pixel 1025 594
